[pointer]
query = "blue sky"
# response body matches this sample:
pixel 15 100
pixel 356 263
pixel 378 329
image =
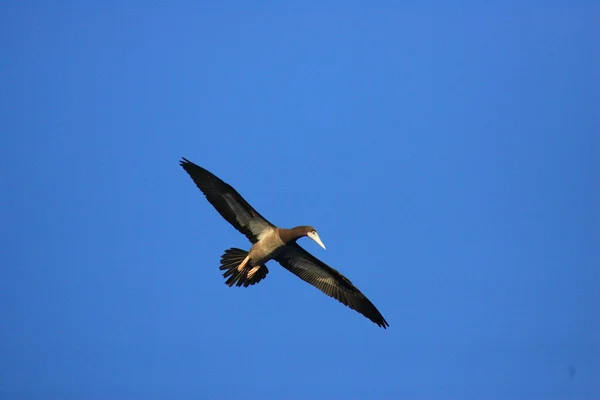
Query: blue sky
pixel 447 155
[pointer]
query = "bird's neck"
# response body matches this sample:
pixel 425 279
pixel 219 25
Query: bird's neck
pixel 291 235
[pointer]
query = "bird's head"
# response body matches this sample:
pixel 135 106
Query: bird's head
pixel 312 233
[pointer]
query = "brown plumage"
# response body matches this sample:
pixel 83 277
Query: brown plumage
pixel 269 242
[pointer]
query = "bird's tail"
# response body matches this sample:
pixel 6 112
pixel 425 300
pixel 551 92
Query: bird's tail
pixel 231 260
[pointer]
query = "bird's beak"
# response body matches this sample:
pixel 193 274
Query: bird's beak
pixel 315 236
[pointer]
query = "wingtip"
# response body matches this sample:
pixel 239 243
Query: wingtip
pixel 187 165
pixel 184 161
pixel 381 322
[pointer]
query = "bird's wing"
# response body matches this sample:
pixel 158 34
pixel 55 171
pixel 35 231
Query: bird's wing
pixel 228 202
pixel 310 269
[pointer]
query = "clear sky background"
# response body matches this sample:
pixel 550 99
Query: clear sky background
pixel 449 157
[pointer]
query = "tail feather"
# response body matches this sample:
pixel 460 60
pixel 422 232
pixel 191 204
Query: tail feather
pixel 230 262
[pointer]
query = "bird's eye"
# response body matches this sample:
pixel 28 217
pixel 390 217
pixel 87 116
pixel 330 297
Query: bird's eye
pixel 314 232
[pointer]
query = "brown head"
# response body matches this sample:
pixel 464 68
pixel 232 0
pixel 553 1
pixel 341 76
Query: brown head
pixel 291 235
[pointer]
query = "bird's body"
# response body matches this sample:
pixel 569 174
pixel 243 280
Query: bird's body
pixel 269 242
pixel 272 240
pixel 245 268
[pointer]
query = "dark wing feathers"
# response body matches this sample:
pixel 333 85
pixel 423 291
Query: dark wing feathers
pixel 310 269
pixel 227 201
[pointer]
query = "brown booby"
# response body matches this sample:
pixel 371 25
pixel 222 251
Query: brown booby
pixel 270 242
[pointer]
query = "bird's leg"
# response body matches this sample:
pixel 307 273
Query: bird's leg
pixel 243 264
pixel 253 271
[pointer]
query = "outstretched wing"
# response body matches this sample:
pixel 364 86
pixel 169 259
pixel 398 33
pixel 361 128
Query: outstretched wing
pixel 228 202
pixel 312 270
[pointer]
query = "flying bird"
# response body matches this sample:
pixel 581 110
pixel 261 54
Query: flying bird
pixel 269 242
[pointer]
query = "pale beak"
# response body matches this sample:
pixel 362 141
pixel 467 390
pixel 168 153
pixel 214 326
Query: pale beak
pixel 315 236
